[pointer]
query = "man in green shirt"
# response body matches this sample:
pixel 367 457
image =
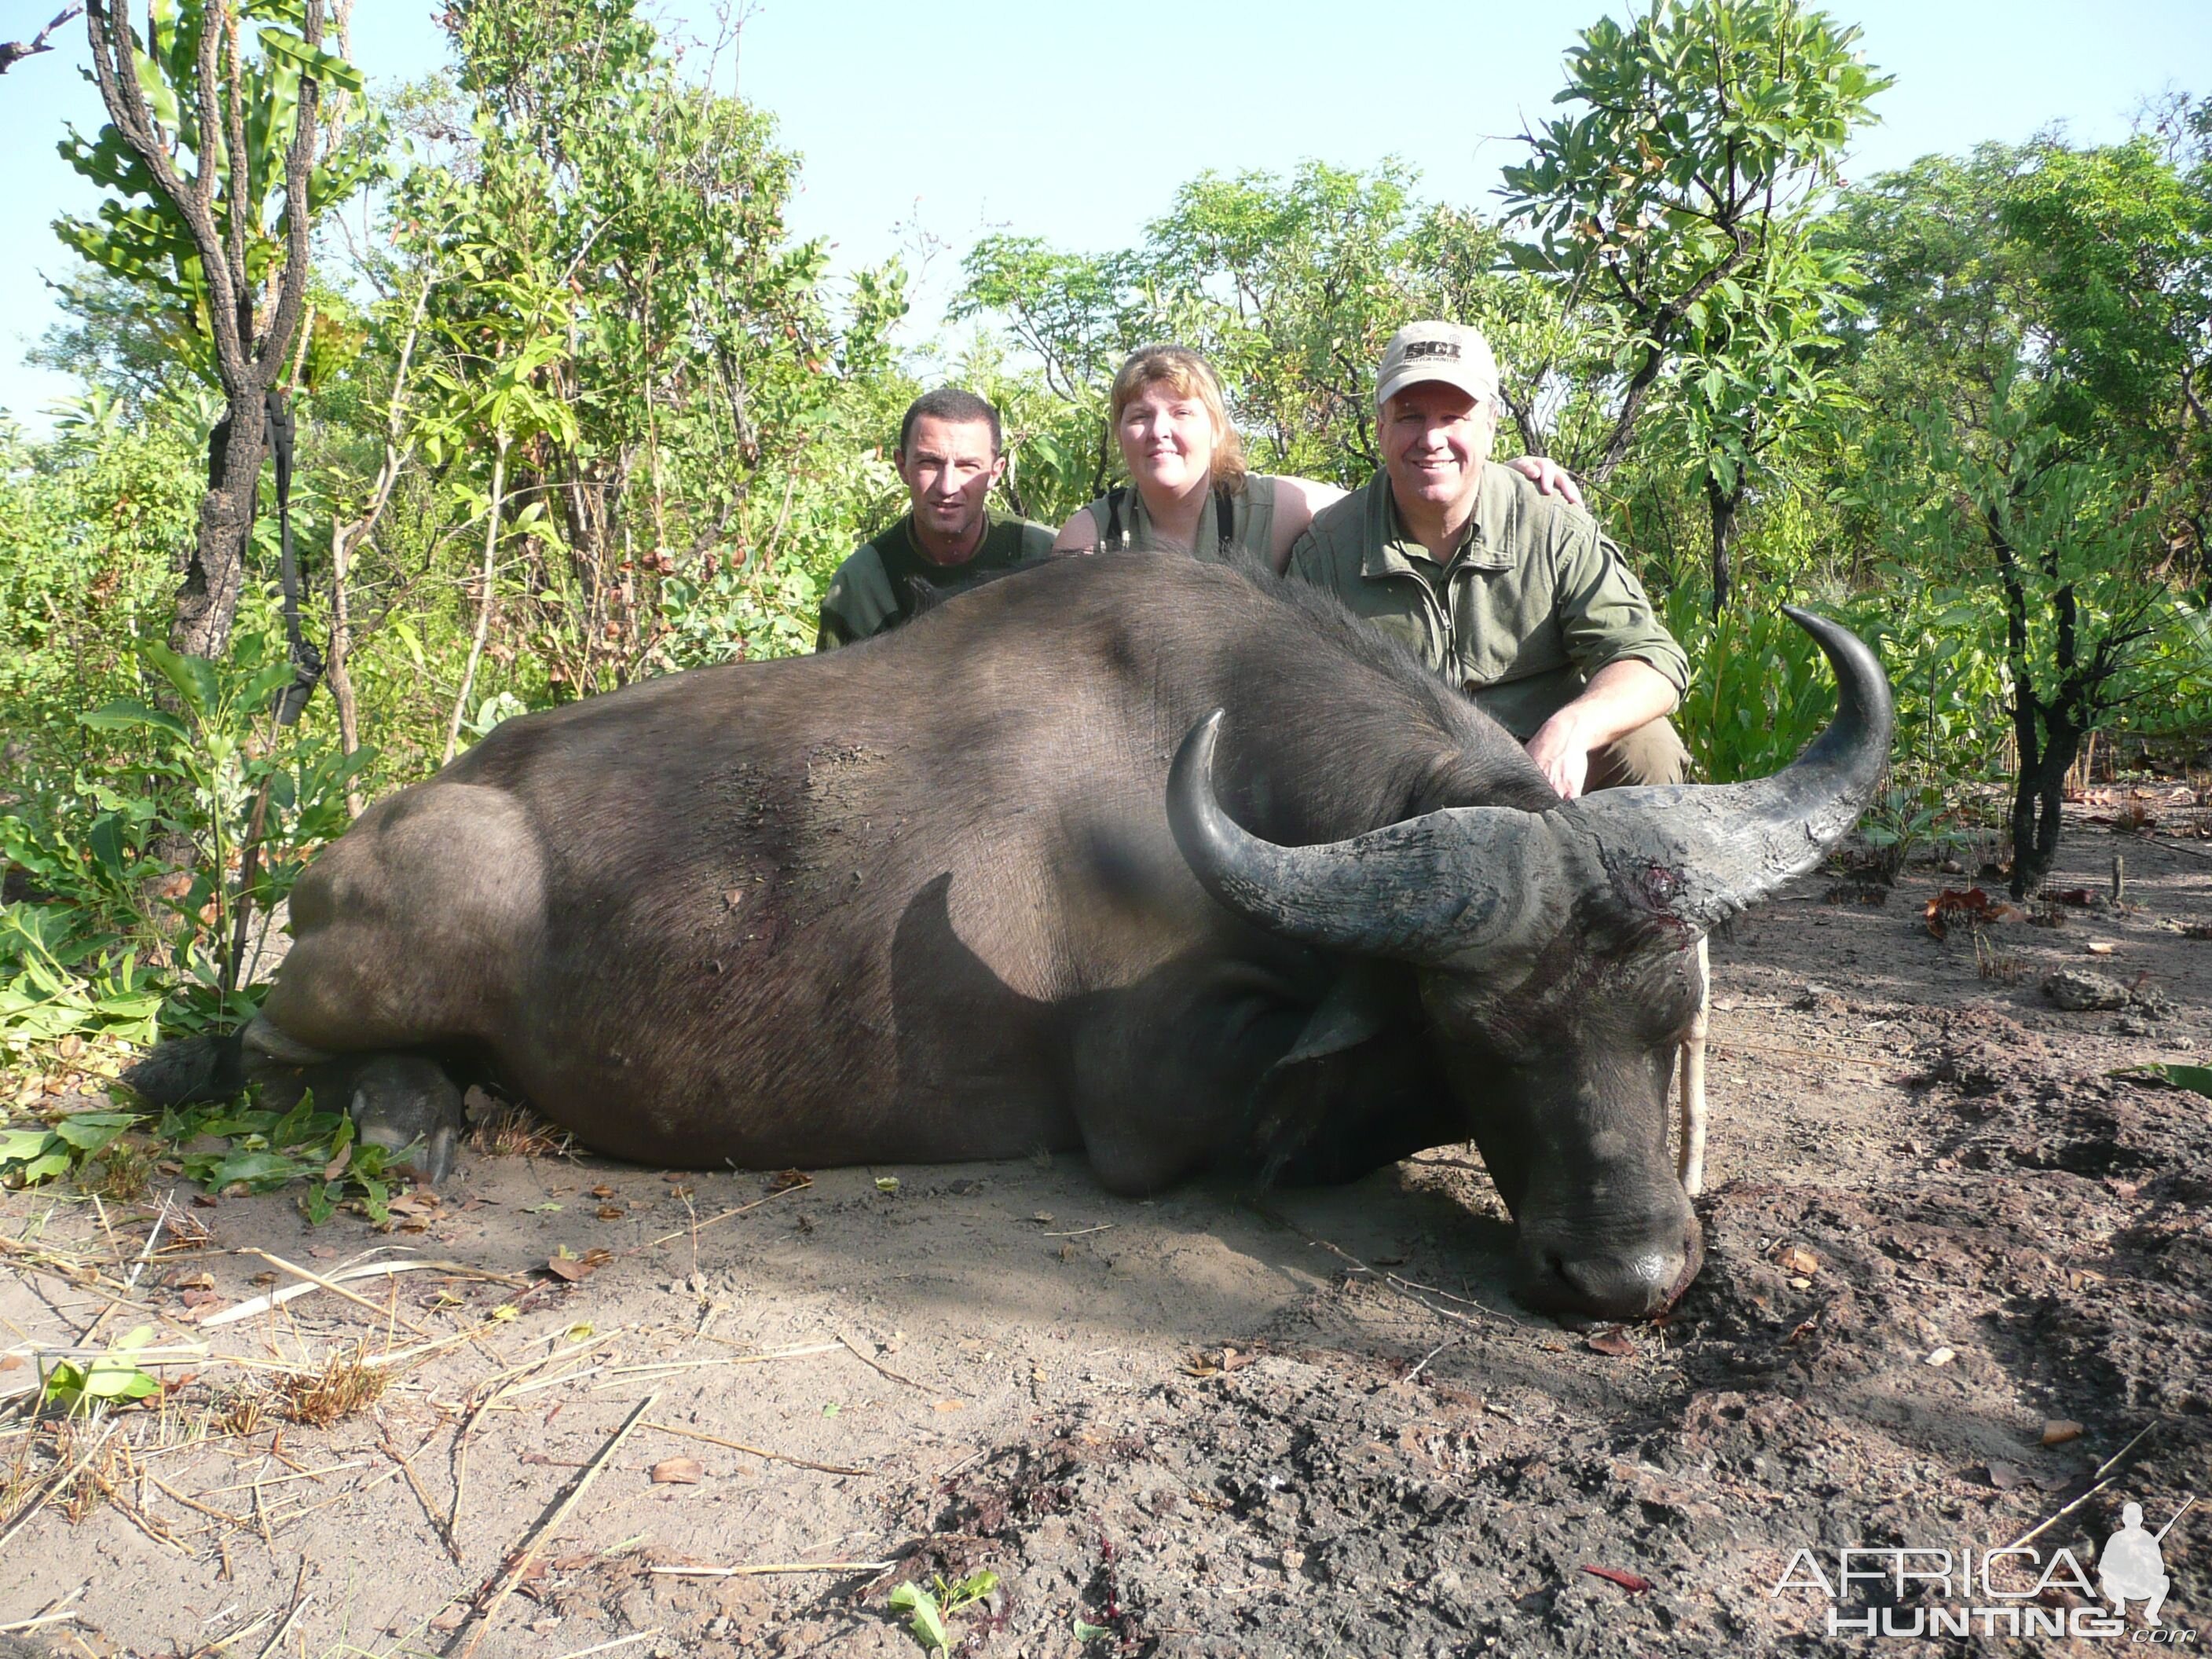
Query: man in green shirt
pixel 1509 593
pixel 949 456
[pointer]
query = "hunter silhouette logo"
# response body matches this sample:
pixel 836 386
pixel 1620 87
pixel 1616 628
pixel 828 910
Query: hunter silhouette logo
pixel 2131 1568
pixel 2019 1590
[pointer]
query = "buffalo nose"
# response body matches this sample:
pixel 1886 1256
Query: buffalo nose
pixel 1627 1286
pixel 1633 1278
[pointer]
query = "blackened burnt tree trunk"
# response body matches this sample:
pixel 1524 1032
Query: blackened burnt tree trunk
pixel 215 205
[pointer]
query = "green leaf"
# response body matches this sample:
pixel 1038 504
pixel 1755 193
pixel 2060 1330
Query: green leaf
pixel 258 1170
pixel 2197 1079
pixel 124 714
pixel 193 677
pixel 1087 1633
pixel 924 1617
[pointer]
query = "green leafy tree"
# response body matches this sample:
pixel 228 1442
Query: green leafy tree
pixel 237 87
pixel 1675 202
pixel 2035 333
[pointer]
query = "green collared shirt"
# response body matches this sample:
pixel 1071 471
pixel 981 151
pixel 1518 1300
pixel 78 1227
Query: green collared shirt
pixel 871 593
pixel 1533 603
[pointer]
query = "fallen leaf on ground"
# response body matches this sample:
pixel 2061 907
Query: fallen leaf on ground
pixel 612 1212
pixel 1617 1344
pixel 950 1406
pixel 1942 1357
pixel 2057 1430
pixel 2004 1477
pixel 784 1180
pixel 602 1191
pixel 1633 1583
pixel 1796 1260
pixel 569 1269
pixel 678 1472
pixel 1973 907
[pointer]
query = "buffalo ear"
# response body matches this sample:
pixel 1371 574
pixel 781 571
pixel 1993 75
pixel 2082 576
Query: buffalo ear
pixel 1298 1095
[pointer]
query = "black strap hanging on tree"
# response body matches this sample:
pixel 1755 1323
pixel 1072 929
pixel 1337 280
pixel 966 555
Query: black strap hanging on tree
pixel 292 701
pixel 306 661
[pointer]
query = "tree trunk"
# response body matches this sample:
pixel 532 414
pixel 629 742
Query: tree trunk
pixel 214 570
pixel 483 609
pixel 336 668
pixel 2039 792
pixel 1721 506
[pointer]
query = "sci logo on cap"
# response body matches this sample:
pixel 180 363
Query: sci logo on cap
pixel 1447 349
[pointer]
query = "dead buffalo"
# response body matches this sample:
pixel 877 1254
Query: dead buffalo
pixel 1156 859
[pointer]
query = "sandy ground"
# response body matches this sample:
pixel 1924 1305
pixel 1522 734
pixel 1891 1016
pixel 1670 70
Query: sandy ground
pixel 1308 1424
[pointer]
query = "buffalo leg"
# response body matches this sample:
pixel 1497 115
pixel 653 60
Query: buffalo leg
pixel 1162 1075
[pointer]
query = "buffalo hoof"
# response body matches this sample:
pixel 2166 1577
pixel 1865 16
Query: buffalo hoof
pixel 396 1100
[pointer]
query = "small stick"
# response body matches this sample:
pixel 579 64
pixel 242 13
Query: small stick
pixel 763 1568
pixel 140 1266
pixel 299 1605
pixel 444 1536
pixel 54 1613
pixel 717 1360
pixel 552 1523
pixel 245 1309
pixel 756 1451
pixel 697 1226
pixel 1430 1355
pixel 194 1503
pixel 2098 1476
pixel 279 1480
pixel 619 1641
pixel 869 1360
pixel 1102 1227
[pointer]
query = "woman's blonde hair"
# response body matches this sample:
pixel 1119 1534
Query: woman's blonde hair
pixel 1188 376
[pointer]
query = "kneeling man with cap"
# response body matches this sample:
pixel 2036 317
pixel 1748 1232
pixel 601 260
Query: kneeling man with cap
pixel 1511 594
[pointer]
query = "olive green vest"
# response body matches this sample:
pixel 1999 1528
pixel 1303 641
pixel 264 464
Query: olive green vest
pixel 873 590
pixel 1251 530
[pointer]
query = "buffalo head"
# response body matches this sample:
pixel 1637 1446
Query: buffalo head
pixel 1556 957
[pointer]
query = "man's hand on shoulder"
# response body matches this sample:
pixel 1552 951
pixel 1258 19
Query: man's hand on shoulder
pixel 1549 477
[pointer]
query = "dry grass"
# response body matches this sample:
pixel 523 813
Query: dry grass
pixel 1990 963
pixel 124 1173
pixel 509 1130
pixel 345 1383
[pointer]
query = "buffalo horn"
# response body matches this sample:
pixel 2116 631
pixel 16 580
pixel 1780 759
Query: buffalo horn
pixel 1697 854
pixel 1684 856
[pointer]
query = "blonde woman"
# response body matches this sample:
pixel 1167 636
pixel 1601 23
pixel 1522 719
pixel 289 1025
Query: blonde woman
pixel 1189 488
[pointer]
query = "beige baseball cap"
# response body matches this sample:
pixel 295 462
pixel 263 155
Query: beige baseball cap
pixel 1450 352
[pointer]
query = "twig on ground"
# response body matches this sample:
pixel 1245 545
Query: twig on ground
pixel 545 1528
pixel 881 1370
pixel 2100 1483
pixel 139 1266
pixel 317 1281
pixel 299 1605
pixel 758 1451
pixel 437 1525
pixel 609 1647
pixel 761 1569
pixel 52 1614
pixel 696 1227
pixel 665 1367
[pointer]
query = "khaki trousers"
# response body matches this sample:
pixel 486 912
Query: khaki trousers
pixel 1649 754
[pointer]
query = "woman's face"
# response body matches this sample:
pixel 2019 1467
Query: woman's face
pixel 1167 439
